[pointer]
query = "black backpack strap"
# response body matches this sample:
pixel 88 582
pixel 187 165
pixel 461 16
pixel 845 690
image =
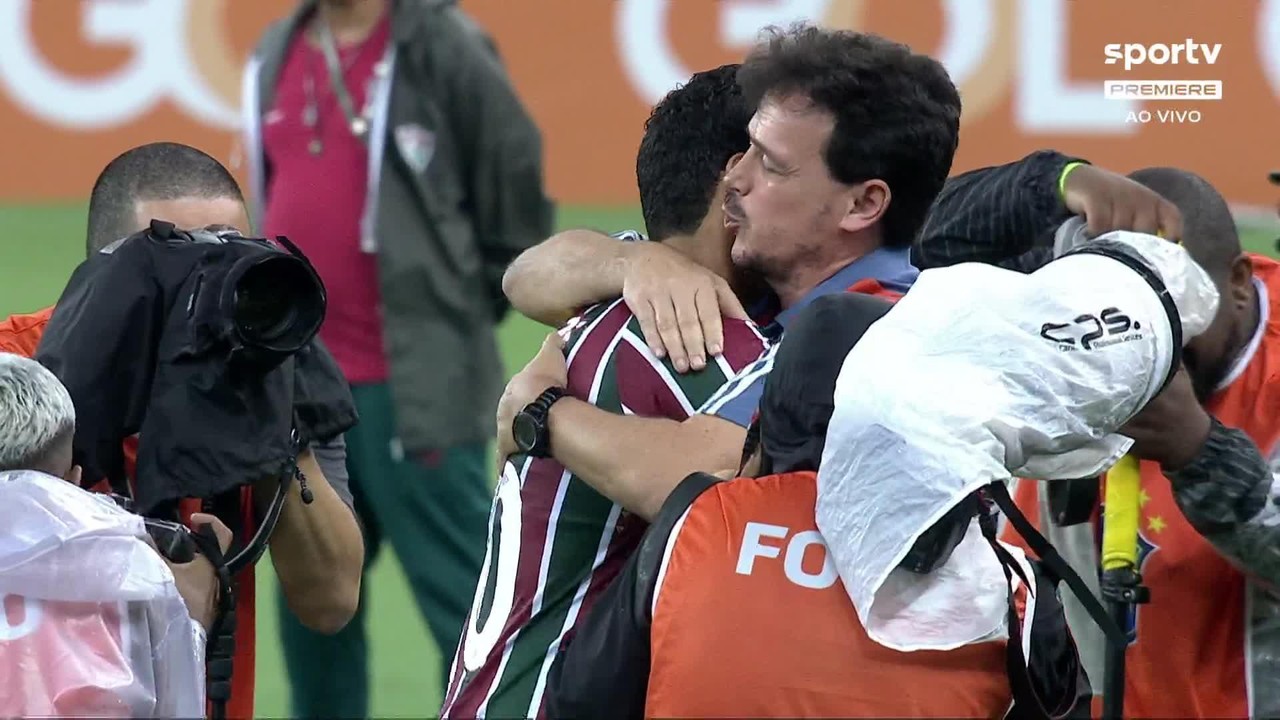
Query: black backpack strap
pixel 1051 684
pixel 1054 563
pixel 654 545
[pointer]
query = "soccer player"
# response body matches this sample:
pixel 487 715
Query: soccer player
pixel 554 542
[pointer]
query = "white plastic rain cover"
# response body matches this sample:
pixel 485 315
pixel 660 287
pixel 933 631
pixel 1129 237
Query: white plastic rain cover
pixel 977 375
pixel 91 623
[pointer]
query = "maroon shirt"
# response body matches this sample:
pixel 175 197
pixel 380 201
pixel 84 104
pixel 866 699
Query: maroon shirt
pixel 318 200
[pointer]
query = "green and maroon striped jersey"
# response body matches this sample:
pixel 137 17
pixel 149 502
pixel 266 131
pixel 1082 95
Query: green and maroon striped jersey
pixel 555 543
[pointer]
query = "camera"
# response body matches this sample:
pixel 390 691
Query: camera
pixel 202 344
pixel 265 304
pixel 173 540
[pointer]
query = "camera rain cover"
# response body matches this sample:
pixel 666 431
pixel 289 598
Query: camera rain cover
pixel 977 375
pixel 146 339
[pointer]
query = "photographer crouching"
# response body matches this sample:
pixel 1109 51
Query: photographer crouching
pixel 121 362
pixel 80 577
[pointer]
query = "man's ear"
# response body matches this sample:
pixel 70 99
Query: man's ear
pixel 73 475
pixel 867 203
pixel 1241 279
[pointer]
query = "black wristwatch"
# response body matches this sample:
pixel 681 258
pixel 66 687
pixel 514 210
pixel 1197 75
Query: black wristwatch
pixel 530 428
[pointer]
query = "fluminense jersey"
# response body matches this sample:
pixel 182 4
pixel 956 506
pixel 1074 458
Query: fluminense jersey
pixel 554 543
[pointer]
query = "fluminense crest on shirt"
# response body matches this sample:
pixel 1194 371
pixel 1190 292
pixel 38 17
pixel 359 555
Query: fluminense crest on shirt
pixel 416 144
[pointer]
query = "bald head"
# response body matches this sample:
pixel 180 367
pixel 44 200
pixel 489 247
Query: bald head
pixel 1210 236
pixel 1208 229
pixel 166 181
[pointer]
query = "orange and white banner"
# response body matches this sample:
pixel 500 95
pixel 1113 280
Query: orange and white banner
pixel 1192 83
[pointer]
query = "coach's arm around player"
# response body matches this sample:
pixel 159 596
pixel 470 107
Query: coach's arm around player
pixel 678 303
pixel 634 461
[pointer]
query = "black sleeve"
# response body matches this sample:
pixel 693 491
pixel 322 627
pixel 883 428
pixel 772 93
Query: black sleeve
pixel 1003 215
pixel 604 671
pixel 1229 495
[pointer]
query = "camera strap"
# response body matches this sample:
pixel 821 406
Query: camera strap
pixel 220 649
pixel 253 550
pixel 1029 703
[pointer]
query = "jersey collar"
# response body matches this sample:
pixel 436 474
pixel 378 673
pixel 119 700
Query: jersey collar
pixel 890 266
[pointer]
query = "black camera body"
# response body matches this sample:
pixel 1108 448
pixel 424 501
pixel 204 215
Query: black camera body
pixel 172 539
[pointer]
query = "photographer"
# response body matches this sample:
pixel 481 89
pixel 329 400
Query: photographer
pixel 1213 524
pixel 76 566
pixel 317 549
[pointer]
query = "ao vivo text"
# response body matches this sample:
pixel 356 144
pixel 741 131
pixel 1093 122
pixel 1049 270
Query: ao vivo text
pixel 1163 117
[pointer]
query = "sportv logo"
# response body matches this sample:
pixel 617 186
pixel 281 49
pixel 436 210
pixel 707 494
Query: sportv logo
pixel 1188 52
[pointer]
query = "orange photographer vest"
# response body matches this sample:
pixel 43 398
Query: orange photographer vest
pixel 751 620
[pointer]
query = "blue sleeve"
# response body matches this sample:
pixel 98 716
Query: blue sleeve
pixel 739 399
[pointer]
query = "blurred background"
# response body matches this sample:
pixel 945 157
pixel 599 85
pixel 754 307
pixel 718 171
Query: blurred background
pixel 83 80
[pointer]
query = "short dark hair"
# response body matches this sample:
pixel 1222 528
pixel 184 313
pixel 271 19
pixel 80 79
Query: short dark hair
pixel 688 140
pixel 157 171
pixel 897 113
pixel 1208 229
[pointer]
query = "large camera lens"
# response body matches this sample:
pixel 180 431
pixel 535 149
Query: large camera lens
pixel 279 304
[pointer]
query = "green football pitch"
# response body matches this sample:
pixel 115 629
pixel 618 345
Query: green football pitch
pixel 40 247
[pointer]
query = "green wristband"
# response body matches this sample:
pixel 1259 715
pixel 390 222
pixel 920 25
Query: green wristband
pixel 1062 179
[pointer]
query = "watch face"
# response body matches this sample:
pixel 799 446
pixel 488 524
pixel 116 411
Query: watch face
pixel 525 430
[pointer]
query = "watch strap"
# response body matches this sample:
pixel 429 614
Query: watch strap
pixel 537 412
pixel 542 404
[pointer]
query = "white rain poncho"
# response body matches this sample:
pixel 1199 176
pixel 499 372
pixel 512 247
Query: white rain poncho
pixel 980 374
pixel 92 622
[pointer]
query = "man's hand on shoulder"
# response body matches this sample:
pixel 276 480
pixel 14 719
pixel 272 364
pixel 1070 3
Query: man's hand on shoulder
pixel 679 304
pixel 1110 201
pixel 548 368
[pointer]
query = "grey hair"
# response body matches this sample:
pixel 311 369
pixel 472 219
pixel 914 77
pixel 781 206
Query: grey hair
pixel 36 413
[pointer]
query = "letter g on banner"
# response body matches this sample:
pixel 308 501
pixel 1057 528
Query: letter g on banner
pixel 169 40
